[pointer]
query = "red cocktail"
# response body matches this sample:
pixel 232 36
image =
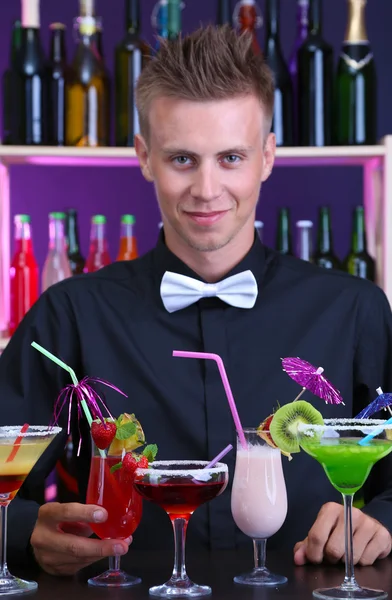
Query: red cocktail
pixel 179 487
pixel 113 490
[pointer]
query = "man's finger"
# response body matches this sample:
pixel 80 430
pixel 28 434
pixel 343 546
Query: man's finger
pixel 378 547
pixel 72 512
pixel 300 553
pixel 82 529
pixel 79 547
pixel 320 533
pixel 362 537
pixel 334 548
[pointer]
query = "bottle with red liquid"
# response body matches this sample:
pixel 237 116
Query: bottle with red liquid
pixel 98 255
pixel 128 243
pixel 247 17
pixel 23 272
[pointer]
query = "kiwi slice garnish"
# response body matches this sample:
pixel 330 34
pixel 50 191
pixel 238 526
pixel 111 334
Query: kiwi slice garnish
pixel 283 427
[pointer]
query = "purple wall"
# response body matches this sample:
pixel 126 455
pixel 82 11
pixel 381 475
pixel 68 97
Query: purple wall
pixel 38 190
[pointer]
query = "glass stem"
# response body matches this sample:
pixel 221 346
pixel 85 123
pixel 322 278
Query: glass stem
pixel 114 563
pixel 179 571
pixel 3 556
pixel 259 550
pixel 349 579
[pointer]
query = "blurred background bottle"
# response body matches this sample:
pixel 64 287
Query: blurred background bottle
pixel 56 267
pixel 283 232
pixel 98 255
pixel 24 284
pixel 359 262
pixel 75 258
pixel 128 244
pixel 304 240
pixel 57 71
pixel 324 255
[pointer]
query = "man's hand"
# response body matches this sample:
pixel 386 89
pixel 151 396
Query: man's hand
pixel 325 540
pixel 60 539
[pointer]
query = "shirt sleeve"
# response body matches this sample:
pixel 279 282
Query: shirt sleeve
pixel 373 369
pixel 29 386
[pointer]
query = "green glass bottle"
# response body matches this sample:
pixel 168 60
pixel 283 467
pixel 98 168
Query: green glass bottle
pixel 324 255
pixel 131 57
pixel 11 113
pixel 174 19
pixel 315 82
pixel 283 232
pixel 356 85
pixel 224 14
pixel 359 262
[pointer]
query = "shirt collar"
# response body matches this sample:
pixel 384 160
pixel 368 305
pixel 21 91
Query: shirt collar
pixel 165 260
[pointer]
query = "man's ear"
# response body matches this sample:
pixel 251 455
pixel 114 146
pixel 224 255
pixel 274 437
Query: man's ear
pixel 143 156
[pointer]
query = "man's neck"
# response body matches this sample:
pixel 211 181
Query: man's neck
pixel 212 266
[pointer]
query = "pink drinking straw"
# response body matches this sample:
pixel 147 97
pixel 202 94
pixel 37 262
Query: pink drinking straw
pixel 219 456
pixel 226 385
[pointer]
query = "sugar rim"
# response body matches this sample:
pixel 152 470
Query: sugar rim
pixel 195 473
pixel 37 431
pixel 345 425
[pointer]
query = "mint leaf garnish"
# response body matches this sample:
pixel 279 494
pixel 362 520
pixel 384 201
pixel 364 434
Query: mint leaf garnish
pixel 150 452
pixel 125 431
pixel 116 467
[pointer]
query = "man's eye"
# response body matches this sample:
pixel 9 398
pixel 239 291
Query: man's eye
pixel 232 159
pixel 181 160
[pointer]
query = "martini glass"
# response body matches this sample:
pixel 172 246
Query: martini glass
pixel 347 464
pixel 20 448
pixel 180 487
pixel 258 502
pixel 114 492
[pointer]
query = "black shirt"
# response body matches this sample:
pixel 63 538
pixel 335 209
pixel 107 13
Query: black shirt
pixel 112 324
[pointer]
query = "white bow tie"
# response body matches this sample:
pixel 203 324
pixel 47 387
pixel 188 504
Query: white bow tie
pixel 179 291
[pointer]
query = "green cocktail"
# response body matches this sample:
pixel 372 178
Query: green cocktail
pixel 347 464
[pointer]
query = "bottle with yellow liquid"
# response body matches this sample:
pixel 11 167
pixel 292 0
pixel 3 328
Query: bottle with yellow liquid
pixel 87 88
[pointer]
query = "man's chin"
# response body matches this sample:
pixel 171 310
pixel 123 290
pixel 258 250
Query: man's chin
pixel 207 245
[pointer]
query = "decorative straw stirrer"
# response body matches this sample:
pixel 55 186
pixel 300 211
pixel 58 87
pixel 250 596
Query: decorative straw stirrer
pixel 226 385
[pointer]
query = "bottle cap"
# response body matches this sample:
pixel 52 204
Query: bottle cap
pixel 98 220
pixel 57 216
pixel 22 219
pixel 128 220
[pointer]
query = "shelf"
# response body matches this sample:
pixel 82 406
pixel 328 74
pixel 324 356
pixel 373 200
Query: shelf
pixel 125 157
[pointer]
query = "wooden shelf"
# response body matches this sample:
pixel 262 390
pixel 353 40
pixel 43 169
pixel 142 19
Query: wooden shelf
pixel 125 157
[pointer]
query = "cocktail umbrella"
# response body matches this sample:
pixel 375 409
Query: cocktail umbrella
pixel 382 401
pixel 311 378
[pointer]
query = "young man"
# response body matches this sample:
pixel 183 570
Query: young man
pixel 205 105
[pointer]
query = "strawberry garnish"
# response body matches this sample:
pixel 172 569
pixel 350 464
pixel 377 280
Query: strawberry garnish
pixel 103 433
pixel 129 463
pixel 263 431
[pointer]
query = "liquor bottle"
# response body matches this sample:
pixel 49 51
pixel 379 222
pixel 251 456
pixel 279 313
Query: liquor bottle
pixel 247 17
pixel 174 19
pixel 56 266
pixel 57 71
pixel 99 37
pixel 128 244
pixel 160 21
pixel 304 240
pixel 259 226
pixel 11 110
pixel 87 86
pixel 23 273
pixel 359 262
pixel 283 119
pixel 356 84
pixel 324 256
pixel 315 83
pixel 283 232
pixel 224 13
pixel 130 58
pixel 75 258
pixel 302 34
pixel 98 255
pixel 32 75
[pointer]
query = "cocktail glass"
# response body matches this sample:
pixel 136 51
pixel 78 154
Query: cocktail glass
pixel 258 502
pixel 115 492
pixel 180 487
pixel 19 451
pixel 347 464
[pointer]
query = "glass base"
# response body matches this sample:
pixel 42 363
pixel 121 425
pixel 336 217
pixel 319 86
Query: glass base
pixel 345 592
pixel 260 577
pixel 114 578
pixel 10 585
pixel 180 588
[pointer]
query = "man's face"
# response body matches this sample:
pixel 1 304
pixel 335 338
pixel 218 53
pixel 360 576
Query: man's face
pixel 207 161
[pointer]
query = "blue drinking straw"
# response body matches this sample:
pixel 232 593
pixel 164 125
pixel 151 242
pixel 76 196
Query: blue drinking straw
pixel 369 437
